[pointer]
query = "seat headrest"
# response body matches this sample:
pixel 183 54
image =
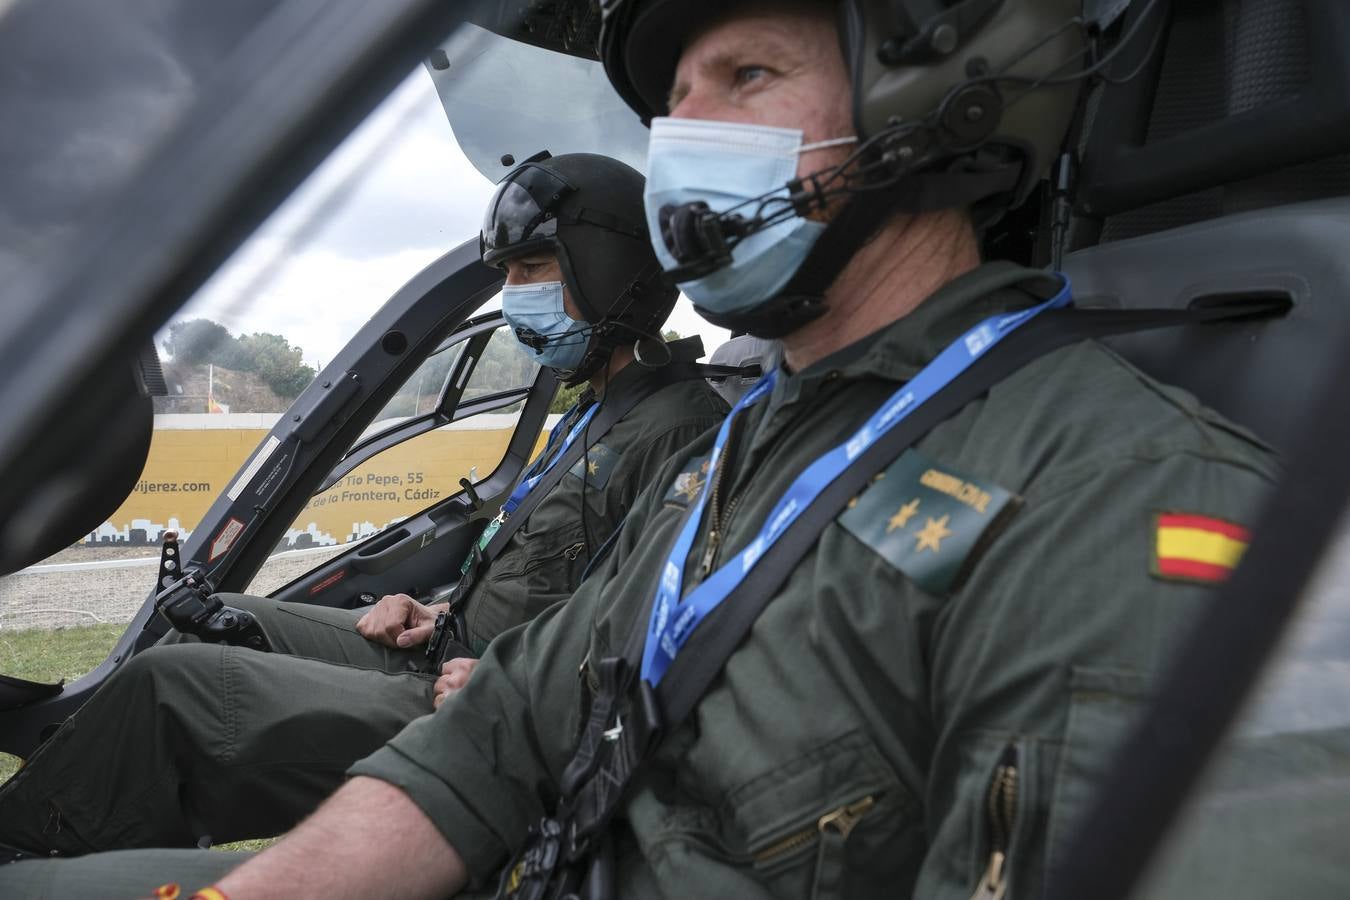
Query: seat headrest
pixel 1255 373
pixel 741 351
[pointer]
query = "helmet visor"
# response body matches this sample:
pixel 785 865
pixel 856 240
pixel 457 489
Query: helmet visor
pixel 523 213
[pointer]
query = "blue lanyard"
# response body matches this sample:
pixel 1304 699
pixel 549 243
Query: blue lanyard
pixel 532 476
pixel 672 620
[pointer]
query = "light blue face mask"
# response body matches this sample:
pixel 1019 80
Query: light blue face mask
pixel 547 333
pixel 726 164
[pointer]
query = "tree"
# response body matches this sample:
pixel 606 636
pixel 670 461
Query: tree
pixel 276 362
pixel 504 365
pixel 565 398
pixel 197 342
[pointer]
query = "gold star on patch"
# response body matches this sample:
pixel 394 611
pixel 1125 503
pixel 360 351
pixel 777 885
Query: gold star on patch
pixel 903 515
pixel 932 534
pixel 592 467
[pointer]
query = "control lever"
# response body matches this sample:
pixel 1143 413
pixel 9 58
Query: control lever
pixel 191 605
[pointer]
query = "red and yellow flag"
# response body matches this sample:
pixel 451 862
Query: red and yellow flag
pixel 1197 548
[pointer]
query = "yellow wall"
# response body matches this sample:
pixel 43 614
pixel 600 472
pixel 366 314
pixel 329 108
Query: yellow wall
pixel 189 467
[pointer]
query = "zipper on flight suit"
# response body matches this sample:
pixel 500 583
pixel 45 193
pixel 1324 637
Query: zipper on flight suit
pixel 570 553
pixel 1001 815
pixel 716 516
pixel 841 821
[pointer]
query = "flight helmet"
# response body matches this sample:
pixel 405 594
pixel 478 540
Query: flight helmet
pixel 587 210
pixel 972 96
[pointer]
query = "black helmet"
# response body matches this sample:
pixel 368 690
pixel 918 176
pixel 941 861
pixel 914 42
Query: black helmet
pixel 587 210
pixel 953 78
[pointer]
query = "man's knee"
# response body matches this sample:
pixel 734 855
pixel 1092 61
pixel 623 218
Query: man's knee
pixel 261 607
pixel 167 668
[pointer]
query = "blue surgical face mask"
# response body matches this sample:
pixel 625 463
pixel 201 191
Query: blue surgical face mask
pixel 536 311
pixel 726 164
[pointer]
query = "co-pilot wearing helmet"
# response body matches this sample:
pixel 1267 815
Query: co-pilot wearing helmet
pixel 940 671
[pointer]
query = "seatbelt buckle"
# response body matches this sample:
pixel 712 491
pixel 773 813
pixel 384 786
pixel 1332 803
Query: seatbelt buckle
pixel 448 640
pixel 533 873
pixel 433 651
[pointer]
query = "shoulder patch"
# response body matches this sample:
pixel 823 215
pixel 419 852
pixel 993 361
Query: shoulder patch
pixel 689 483
pixel 598 464
pixel 1195 548
pixel 928 520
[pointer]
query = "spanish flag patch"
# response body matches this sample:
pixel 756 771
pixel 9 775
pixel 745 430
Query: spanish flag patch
pixel 1195 548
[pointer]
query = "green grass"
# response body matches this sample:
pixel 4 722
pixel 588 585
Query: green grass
pixel 64 653
pixel 41 654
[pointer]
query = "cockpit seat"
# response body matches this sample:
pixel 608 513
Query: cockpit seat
pixel 745 352
pixel 1256 373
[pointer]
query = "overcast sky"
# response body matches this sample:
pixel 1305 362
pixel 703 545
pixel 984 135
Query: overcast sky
pixel 393 197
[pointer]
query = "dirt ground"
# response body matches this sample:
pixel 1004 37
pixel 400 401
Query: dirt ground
pixel 81 553
pixel 41 599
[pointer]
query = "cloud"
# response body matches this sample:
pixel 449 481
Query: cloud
pixel 318 301
pixel 393 197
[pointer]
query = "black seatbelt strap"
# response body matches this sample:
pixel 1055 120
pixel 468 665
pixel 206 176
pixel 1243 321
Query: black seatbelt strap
pixel 611 749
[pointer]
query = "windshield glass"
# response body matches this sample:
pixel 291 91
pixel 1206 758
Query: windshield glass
pixel 394 196
pixel 399 192
pixel 507 101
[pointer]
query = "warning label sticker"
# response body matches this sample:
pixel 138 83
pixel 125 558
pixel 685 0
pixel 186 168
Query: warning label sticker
pixel 223 541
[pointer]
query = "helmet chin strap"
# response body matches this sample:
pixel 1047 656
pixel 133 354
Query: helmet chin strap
pixel 608 333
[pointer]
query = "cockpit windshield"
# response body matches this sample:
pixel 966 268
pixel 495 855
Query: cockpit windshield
pixel 507 101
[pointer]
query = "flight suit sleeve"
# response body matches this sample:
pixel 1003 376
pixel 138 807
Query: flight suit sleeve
pixel 485 766
pixel 1050 652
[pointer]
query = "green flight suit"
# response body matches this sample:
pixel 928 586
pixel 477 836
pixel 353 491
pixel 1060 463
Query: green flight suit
pixel 192 739
pixel 849 746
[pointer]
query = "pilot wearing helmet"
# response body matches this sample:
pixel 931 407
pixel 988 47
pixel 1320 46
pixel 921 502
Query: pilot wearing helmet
pixel 194 739
pixel 916 694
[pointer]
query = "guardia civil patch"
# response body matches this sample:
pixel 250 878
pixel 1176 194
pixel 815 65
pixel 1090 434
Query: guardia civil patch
pixel 598 463
pixel 928 520
pixel 1195 548
pixel 689 483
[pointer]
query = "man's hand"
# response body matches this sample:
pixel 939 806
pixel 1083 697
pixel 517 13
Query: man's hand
pixel 454 675
pixel 398 621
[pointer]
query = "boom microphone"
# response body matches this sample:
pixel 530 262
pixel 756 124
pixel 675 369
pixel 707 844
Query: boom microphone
pixel 532 339
pixel 698 238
